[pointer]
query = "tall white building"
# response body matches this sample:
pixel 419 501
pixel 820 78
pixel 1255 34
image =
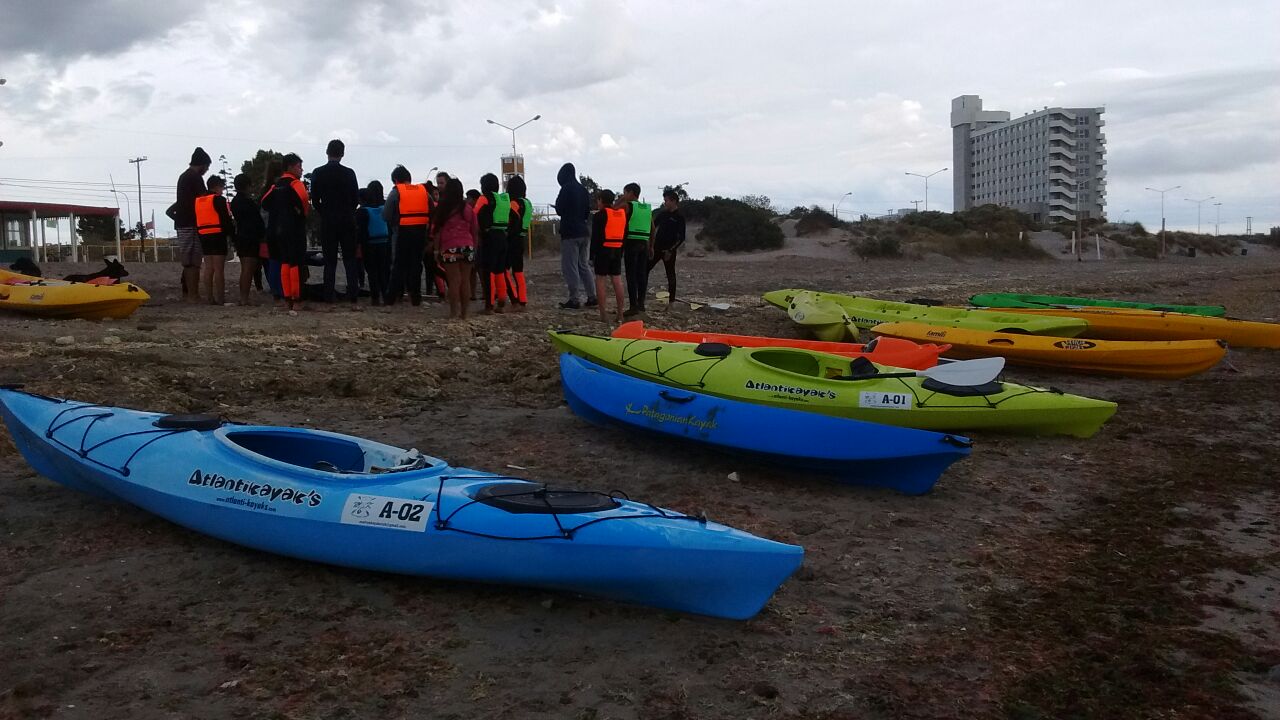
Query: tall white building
pixel 1050 164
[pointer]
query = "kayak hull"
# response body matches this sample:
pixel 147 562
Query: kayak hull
pixel 1108 324
pixel 887 351
pixel 825 320
pixel 866 313
pixel 424 521
pixel 1164 360
pixel 909 461
pixel 62 300
pixel 1015 300
pixel 804 380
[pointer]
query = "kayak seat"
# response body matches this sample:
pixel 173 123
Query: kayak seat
pixel 713 349
pixel 800 363
pixel 535 498
pixel 992 388
pixel 316 452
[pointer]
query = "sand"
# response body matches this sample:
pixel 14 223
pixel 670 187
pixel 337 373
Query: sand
pixel 1043 577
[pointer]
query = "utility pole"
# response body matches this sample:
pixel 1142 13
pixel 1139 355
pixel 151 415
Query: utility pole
pixel 1162 192
pixel 1217 217
pixel 917 204
pixel 142 227
pixel 1248 225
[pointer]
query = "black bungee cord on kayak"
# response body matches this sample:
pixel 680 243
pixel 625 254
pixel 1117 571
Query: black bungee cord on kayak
pixel 509 496
pixel 711 354
pixel 85 453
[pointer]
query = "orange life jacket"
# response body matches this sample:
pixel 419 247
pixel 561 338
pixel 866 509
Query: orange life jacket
pixel 207 220
pixel 615 227
pixel 415 204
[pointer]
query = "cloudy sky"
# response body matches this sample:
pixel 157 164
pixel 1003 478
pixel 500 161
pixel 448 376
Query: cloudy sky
pixel 800 101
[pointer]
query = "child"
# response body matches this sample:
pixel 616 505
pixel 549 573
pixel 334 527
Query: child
pixel 454 230
pixel 668 236
pixel 250 234
pixel 608 228
pixel 518 241
pixel 374 239
pixel 493 212
pixel 286 203
pixel 636 251
pixel 215 226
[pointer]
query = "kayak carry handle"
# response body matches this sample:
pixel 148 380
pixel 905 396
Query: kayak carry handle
pixel 667 395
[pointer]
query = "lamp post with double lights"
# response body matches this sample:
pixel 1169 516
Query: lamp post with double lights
pixel 1162 192
pixel 514 129
pixel 1199 204
pixel 926 184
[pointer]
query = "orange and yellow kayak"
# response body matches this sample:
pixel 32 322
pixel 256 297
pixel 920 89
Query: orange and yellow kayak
pixel 62 299
pixel 883 351
pixel 1114 324
pixel 1160 359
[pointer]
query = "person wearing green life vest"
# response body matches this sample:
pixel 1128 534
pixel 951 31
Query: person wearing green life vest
pixel 494 210
pixel 518 241
pixel 637 247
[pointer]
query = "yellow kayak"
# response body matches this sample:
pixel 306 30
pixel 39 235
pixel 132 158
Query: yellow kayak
pixel 1113 324
pixel 61 299
pixel 1151 359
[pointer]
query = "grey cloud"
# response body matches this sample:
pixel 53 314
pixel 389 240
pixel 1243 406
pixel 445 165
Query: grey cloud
pixel 60 31
pixel 1162 96
pixel 1203 153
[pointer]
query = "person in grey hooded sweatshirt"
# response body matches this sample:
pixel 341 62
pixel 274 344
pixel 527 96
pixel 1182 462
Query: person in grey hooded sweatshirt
pixel 573 205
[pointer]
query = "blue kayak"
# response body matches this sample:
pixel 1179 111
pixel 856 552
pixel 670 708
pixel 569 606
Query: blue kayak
pixel 855 451
pixel 347 501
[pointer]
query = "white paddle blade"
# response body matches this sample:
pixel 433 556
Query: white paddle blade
pixel 966 372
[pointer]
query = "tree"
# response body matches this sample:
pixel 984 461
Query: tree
pixel 101 229
pixel 759 202
pixel 591 185
pixel 256 168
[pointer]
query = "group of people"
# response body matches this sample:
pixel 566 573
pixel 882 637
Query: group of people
pixel 464 242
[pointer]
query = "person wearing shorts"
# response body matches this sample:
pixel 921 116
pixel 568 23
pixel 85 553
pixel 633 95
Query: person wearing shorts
pixel 214 226
pixel 454 232
pixel 609 225
pixel 190 186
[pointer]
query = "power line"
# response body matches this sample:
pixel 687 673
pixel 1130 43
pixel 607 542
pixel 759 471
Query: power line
pixel 77 182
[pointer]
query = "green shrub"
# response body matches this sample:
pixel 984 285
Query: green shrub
pixel 884 246
pixel 815 220
pixel 1137 229
pixel 734 226
pixel 945 223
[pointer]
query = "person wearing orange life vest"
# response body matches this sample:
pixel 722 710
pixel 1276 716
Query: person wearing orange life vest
pixel 408 214
pixel 286 204
pixel 214 225
pixel 608 229
pixel 518 241
pixel 494 211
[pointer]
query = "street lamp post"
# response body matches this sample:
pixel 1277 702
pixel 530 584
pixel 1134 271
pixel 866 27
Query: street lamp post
pixel 1162 192
pixel 1199 204
pixel 926 184
pixel 2 81
pixel 835 209
pixel 514 129
pixel 1126 212
pixel 1217 217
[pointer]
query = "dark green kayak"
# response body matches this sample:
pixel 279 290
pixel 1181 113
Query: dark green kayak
pixel 1013 300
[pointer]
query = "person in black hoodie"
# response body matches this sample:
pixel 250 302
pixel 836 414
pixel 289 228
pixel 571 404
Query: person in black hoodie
pixel 494 211
pixel 250 233
pixel 573 205
pixel 518 241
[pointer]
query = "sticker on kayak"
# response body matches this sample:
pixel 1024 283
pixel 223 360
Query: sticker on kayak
pixel 885 401
pixel 391 513
pixel 1075 344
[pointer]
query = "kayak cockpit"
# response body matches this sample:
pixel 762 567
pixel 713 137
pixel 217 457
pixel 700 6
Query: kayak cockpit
pixel 802 363
pixel 325 452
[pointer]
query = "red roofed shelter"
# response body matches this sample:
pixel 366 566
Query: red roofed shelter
pixel 21 231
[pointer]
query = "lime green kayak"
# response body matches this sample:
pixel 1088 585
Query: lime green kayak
pixel 866 313
pixel 1014 300
pixel 818 382
pixel 823 318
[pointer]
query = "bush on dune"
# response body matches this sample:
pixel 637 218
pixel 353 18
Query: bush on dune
pixel 734 226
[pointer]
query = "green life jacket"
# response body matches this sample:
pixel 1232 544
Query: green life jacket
pixel 526 217
pixel 501 211
pixel 640 224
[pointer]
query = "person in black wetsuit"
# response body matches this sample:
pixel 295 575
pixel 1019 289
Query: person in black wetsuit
pixel 668 236
pixel 251 232
pixel 333 193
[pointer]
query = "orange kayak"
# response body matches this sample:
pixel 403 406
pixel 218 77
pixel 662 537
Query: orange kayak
pixel 1158 359
pixel 882 351
pixel 1112 324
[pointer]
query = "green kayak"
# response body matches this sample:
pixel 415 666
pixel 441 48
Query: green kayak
pixel 823 318
pixel 866 313
pixel 1014 300
pixel 818 382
